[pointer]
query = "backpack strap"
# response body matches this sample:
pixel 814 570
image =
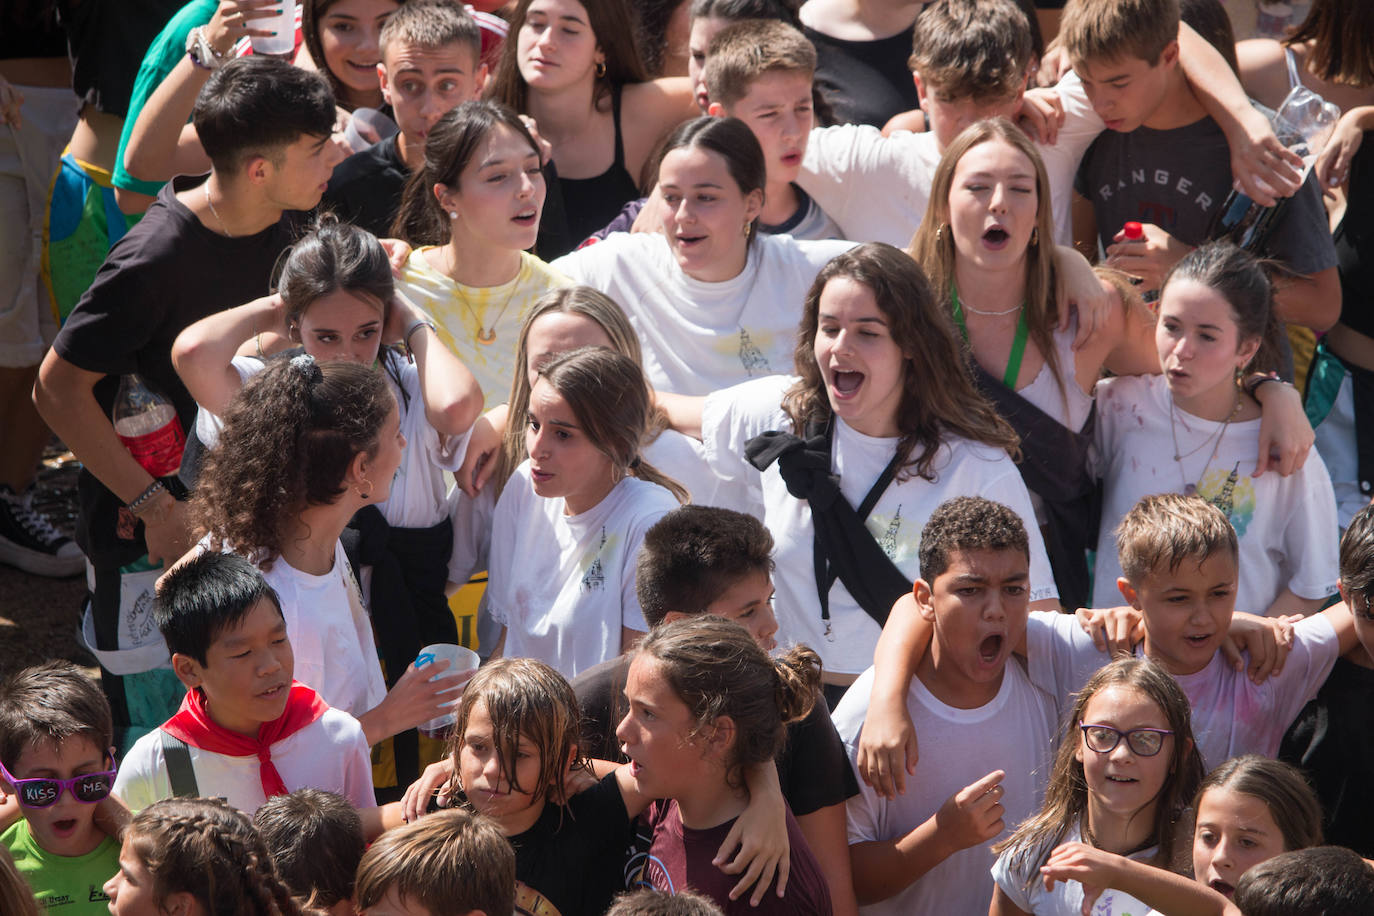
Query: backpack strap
pixel 179 769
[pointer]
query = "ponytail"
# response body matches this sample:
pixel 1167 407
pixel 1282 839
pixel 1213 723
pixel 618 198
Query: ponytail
pixel 716 669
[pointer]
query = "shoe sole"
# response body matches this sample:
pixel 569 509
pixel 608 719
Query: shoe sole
pixel 38 563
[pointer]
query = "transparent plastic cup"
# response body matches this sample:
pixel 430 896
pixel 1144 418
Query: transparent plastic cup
pixel 283 26
pixel 462 662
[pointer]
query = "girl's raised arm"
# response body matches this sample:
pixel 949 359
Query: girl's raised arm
pixel 203 353
pixel 453 399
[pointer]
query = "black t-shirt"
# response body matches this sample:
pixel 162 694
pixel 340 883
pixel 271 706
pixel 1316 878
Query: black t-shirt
pixel 572 861
pixel 166 273
pixel 865 82
pixel 813 768
pixel 106 41
pixel 1355 243
pixel 365 188
pixel 1332 742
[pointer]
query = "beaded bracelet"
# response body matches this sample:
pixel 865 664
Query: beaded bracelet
pixel 143 499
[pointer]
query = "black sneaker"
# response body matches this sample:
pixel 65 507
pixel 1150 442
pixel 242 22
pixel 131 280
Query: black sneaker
pixel 30 542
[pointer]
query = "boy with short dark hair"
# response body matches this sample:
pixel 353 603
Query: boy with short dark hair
pixel 56 758
pixel 445 864
pixel 1331 740
pixel 206 244
pixel 316 841
pixel 760 71
pixel 985 730
pixel 1166 164
pixel 1317 881
pixel 431 63
pixel 246 731
pixel 708 560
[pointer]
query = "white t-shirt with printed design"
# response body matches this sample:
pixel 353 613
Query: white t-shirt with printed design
pixel 1286 526
pixel 457 311
pixel 564 585
pixel 735 415
pixel 698 337
pixel 1231 714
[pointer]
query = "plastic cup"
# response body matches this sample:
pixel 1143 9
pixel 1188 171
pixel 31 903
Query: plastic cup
pixel 283 26
pixel 461 662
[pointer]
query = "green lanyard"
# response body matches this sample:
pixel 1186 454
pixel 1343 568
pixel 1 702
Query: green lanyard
pixel 1018 344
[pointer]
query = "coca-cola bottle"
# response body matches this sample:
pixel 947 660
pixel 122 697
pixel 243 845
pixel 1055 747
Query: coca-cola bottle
pixel 147 423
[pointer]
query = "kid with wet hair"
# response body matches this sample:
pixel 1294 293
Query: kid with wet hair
pixel 246 730
pixel 316 841
pixel 57 762
pixel 1329 740
pixel 200 857
pixel 453 862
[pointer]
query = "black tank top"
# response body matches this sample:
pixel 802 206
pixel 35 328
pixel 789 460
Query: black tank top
pixel 591 203
pixel 1354 239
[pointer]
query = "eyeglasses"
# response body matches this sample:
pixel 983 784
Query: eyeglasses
pixel 1143 742
pixel 42 793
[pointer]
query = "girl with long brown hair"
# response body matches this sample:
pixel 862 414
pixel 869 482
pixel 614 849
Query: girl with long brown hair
pixel 882 400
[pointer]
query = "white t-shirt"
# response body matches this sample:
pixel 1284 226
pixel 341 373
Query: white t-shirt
pixel 419 494
pixel 1014 733
pixel 329 753
pixel 457 310
pixel 1026 889
pixel 732 417
pixel 697 336
pixel 564 585
pixel 1231 714
pixel 1286 526
pixel 331 634
pixel 877 188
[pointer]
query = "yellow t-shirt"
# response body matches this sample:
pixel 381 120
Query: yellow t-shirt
pixel 467 314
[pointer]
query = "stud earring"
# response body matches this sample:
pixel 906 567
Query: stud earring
pixel 453 214
pixel 940 233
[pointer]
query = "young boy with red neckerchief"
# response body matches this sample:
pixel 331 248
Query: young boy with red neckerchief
pixel 249 730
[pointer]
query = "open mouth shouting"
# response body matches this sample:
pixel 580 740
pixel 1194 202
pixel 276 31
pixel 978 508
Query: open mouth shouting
pixel 990 649
pixel 996 237
pixel 845 383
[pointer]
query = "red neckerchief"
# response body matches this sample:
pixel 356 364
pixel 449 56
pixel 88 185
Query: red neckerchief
pixel 193 725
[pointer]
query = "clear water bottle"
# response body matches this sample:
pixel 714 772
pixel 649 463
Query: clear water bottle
pixel 1303 123
pixel 146 422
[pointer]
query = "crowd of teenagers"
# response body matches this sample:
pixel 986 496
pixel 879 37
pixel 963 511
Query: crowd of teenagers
pixel 869 470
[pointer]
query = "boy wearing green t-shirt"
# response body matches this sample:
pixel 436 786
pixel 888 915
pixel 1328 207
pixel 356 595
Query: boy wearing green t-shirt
pixel 56 758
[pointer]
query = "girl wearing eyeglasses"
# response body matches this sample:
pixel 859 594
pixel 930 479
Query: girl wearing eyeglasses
pixel 1120 783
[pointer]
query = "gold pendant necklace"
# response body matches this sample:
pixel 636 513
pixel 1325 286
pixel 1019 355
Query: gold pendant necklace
pixel 486 334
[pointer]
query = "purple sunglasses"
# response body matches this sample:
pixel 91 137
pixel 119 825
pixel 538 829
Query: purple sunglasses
pixel 41 793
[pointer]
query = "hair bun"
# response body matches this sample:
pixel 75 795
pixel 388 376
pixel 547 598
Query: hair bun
pixel 309 369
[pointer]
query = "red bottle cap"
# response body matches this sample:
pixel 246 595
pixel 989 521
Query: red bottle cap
pixel 1133 231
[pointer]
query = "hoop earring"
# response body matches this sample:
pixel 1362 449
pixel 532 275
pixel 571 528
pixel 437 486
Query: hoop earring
pixel 1035 236
pixel 364 494
pixel 601 69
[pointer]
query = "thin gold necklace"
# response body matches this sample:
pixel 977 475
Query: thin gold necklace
pixel 1191 489
pixel 486 335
